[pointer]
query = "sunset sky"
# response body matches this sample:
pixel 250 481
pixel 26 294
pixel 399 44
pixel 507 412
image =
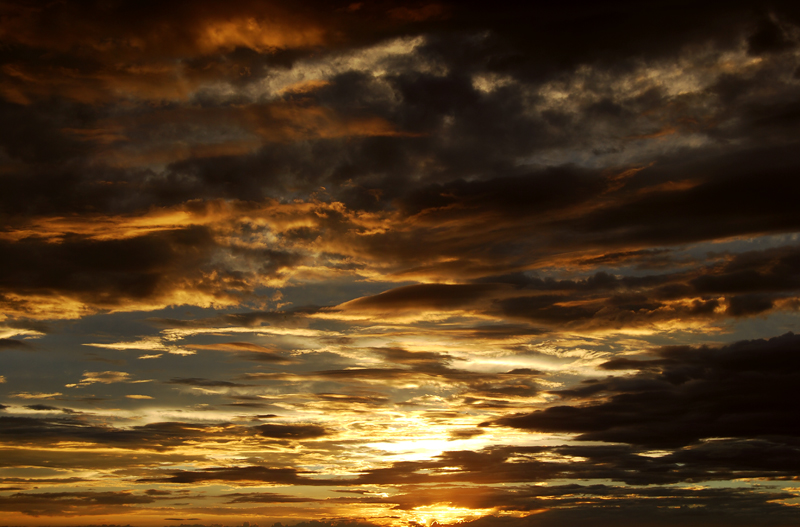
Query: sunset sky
pixel 389 263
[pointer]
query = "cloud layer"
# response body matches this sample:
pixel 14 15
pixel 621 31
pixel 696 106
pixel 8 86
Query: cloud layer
pixel 399 263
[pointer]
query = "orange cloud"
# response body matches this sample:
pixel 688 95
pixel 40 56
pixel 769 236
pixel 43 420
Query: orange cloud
pixel 419 14
pixel 117 52
pixel 288 121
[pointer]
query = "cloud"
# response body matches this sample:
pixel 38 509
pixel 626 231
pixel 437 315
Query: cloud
pixel 686 395
pixel 247 350
pixel 42 407
pixel 283 476
pixel 13 344
pixel 158 436
pixel 423 296
pixel 292 431
pixel 37 395
pixel 104 273
pixel 475 250
pixel 102 377
pixel 708 510
pixel 203 383
pixel 739 285
pixel 64 503
pixel 266 497
pixel 150 73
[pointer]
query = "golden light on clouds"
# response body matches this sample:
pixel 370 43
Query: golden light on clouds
pixel 264 35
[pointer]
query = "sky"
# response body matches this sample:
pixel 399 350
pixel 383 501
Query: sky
pixel 399 264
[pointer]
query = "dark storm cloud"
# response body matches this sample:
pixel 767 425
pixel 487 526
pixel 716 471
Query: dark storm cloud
pixel 554 36
pixel 292 431
pixel 344 522
pixel 149 268
pixel 158 437
pixel 283 476
pixel 72 33
pixel 533 194
pixel 204 32
pixel 105 272
pixel 721 204
pixel 644 258
pixel 688 394
pixel 43 480
pixel 494 331
pixel 725 285
pixel 595 497
pixel 266 497
pixel 465 433
pixel 717 460
pixel 758 279
pixel 38 135
pixel 288 318
pixel 435 296
pixel 14 344
pixel 47 408
pixel 346 399
pixel 64 503
pixel 486 135
pixel 404 366
pixel 154 436
pixel 424 95
pixel 703 508
pixel 247 351
pixel 90 459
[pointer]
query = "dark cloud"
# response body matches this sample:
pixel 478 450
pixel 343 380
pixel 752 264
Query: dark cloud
pixel 106 273
pixel 14 344
pixel 707 509
pixel 288 318
pixel 748 305
pixel 595 497
pixel 266 497
pixel 433 296
pixel 716 460
pixel 404 366
pixel 292 431
pixel 465 433
pixel 44 407
pixel 247 351
pixel 769 37
pixel 64 503
pixel 283 476
pixel 688 394
pixel 350 401
pixel 720 205
pixel 743 284
pixel 154 436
